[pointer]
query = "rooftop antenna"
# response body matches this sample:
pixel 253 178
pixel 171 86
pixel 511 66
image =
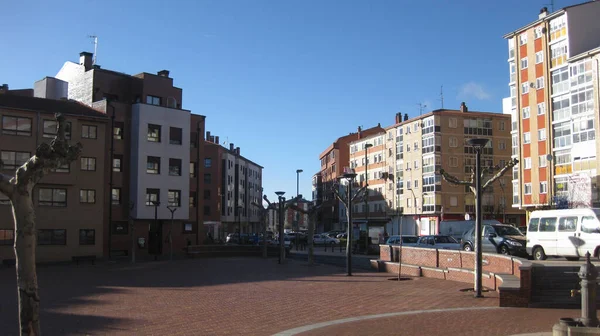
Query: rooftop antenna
pixel 95 38
pixel 551 6
pixel 421 108
pixel 442 95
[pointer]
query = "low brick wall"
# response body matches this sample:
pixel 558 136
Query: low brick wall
pixel 509 276
pixel 211 251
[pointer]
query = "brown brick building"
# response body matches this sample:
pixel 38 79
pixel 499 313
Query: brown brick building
pixel 69 203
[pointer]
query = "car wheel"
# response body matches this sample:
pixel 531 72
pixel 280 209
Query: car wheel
pixel 538 253
pixel 504 250
pixel 468 248
pixel 572 258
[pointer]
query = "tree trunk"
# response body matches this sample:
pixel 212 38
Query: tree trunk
pixel 311 234
pixel 25 244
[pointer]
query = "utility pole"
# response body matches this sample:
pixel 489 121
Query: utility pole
pixel 367 146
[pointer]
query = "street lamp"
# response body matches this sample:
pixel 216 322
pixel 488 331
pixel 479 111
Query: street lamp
pixel 172 209
pixel 239 209
pixel 281 200
pixel 478 145
pixel 156 240
pixel 298 171
pixel 367 146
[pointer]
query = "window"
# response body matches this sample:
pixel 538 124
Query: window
pixel 541 108
pixel 589 224
pixel 175 136
pixel 539 83
pixel 526 138
pixel 7 237
pixel 527 188
pixel 16 126
pixel 501 145
pixel 539 57
pixel 89 132
pixel 453 201
pixel 52 197
pixel 547 224
pixel 192 169
pixel 118 130
pixel 153 100
pixel 513 71
pixel 152 196
pixel 207 162
pixel 207 178
pixel 452 123
pixel 187 227
pixel 562 134
pixel 537 32
pixel 560 81
pixel 524 63
pixel 543 161
pixel 116 196
pixel 174 198
pixel 207 194
pixel 192 199
pixel 52 237
pixel 453 161
pixel 416 164
pixel 526 112
pixel 175 167
pixel 567 224
pixel 543 187
pixel 51 129
pixel 88 163
pixel 117 163
pixel 583 130
pixel 207 210
pixel 87 237
pixel 154 133
pixel 153 165
pixel 533 225
pixel 87 196
pixel 527 163
pixel 561 108
pixel 541 134
pixel 523 39
pixel 453 142
pixel 558 54
pixel 524 88
pixel 14 160
pixel 501 125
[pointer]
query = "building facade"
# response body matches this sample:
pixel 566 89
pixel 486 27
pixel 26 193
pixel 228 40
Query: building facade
pixel 553 87
pixel 68 202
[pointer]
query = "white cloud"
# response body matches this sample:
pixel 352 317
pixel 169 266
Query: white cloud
pixel 472 90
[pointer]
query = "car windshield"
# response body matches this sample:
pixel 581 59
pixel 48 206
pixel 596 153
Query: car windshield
pixel 506 230
pixel 444 240
pixel 409 239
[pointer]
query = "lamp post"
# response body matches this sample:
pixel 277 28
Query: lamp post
pixel 298 171
pixel 281 200
pixel 156 241
pixel 110 178
pixel 172 209
pixel 367 146
pixel 239 209
pixel 478 145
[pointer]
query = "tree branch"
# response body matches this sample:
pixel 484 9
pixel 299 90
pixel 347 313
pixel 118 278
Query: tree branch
pixel 339 197
pixel 499 174
pixel 48 156
pixel 453 180
pixel 361 190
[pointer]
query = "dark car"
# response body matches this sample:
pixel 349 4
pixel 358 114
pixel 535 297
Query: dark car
pixel 497 238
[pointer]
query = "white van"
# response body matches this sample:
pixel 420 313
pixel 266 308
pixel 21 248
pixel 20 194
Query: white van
pixel 569 233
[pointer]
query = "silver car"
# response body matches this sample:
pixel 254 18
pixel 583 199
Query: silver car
pixel 406 240
pixel 438 242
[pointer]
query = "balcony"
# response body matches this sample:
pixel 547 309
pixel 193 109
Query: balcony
pixel 516 199
pixel 513 77
pixel 564 169
pixel 430 208
pixel 511 53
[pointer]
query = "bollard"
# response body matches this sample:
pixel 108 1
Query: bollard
pixel 589 283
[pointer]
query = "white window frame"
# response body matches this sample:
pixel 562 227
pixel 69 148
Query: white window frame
pixel 543 187
pixel 541 134
pixel 539 83
pixel 526 138
pixel 541 108
pixel 524 63
pixel 524 88
pixel 543 161
pixel 527 189
pixel 539 57
pixel 523 39
pixel 527 163
pixel 453 142
pixel 537 32
pixel 526 112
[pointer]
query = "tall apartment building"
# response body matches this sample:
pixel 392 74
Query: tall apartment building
pixel 232 184
pixel 333 160
pixel 68 202
pixel 553 85
pixel 153 144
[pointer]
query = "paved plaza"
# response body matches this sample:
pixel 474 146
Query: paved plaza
pixel 253 296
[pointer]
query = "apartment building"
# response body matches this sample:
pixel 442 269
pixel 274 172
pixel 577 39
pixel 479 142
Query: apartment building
pixel 553 66
pixel 333 160
pixel 416 149
pixel 154 144
pixel 232 185
pixel 69 207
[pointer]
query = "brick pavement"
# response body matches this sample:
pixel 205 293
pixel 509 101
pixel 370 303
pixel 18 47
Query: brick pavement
pixel 247 296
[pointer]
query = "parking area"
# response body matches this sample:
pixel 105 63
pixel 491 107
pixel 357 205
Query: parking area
pixel 251 296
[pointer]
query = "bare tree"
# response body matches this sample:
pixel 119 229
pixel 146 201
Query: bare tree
pixel 471 182
pixel 19 189
pixel 312 214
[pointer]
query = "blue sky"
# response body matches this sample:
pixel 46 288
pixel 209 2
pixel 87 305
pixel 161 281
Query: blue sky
pixel 282 79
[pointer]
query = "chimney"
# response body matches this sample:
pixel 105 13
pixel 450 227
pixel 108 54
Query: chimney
pixel 359 129
pixel 4 87
pixel 231 146
pixel 164 73
pixel 212 139
pixel 85 59
pixel 543 13
pixel 207 135
pixel 463 107
pixel 378 124
pixel 217 139
pixel 237 150
pixel 398 117
pixel 405 116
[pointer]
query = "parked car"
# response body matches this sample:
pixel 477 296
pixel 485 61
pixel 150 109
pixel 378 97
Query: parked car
pixel 438 242
pixel 406 240
pixel 321 239
pixel 497 238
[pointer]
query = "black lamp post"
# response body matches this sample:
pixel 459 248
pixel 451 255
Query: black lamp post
pixel 172 209
pixel 478 145
pixel 298 171
pixel 367 146
pixel 281 200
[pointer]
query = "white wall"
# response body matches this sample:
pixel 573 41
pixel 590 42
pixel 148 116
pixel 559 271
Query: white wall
pixel 142 115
